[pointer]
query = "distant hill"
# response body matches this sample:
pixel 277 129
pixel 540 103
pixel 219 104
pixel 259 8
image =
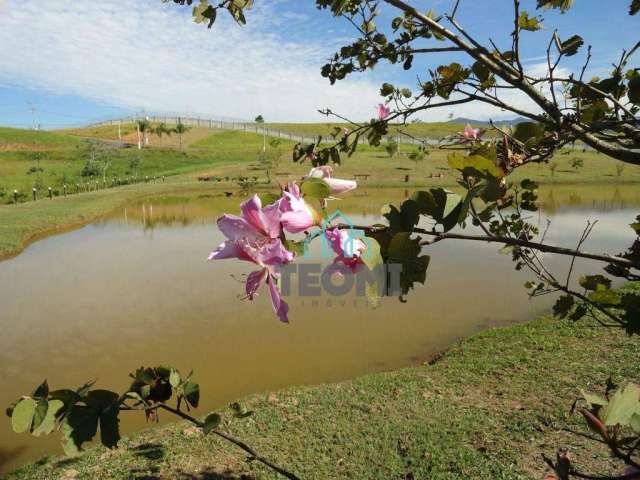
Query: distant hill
pixel 500 123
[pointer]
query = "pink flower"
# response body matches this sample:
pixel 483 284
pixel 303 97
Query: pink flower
pixel 268 254
pixel 348 249
pixel 470 134
pixel 254 237
pixel 296 215
pixel 383 111
pixel 255 223
pixel 336 185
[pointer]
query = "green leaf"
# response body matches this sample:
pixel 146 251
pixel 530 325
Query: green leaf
pixel 372 259
pixel 636 227
pixel 315 188
pixel 42 391
pixel 239 411
pixel 451 201
pixel 212 422
pixel 563 5
pixel 528 131
pixel 481 71
pixel 109 427
pixel 474 165
pixel 269 198
pixel 174 378
pixel 593 400
pixel 595 111
pixel 48 425
pixel 22 416
pixel 634 89
pixel 634 422
pixel 635 7
pixel 192 393
pixel 591 282
pixel 531 24
pixel 563 305
pixel 571 46
pixel 101 400
pixel 387 89
pixel 425 202
pixel 604 295
pixel 624 403
pixel 297 248
pixel 79 426
pixel 402 247
pixel 39 413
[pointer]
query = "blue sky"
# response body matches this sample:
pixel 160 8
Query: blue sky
pixel 85 61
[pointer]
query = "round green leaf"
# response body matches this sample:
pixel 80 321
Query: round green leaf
pixel 212 422
pixel 49 423
pixel 22 415
pixel 315 188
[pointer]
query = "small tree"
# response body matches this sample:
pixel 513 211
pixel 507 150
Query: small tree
pixel 134 163
pixel 181 129
pixel 143 126
pixel 577 163
pixel 418 156
pixel 391 148
pixel 162 129
pixel 260 119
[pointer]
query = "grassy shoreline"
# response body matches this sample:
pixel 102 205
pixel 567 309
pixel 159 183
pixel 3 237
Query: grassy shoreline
pixel 486 409
pixel 28 222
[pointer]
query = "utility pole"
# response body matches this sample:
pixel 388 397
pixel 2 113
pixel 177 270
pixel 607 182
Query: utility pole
pixel 34 111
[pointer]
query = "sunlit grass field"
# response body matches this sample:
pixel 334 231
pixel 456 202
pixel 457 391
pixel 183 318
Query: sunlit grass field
pixel 224 156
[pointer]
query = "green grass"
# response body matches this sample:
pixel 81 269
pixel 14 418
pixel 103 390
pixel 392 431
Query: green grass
pixel 225 154
pixel 62 158
pixel 486 410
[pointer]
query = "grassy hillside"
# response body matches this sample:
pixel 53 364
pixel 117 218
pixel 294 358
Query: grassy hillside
pixel 420 130
pixel 486 410
pixel 31 159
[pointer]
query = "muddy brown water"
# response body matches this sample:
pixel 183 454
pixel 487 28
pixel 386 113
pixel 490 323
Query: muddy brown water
pixel 135 288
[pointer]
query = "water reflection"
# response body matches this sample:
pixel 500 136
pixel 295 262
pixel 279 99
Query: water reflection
pixel 136 288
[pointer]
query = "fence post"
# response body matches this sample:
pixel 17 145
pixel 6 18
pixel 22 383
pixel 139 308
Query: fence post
pixel 50 194
pixel 15 197
pixel 64 187
pixel 35 194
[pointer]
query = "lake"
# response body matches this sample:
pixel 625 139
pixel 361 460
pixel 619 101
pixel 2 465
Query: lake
pixel 135 289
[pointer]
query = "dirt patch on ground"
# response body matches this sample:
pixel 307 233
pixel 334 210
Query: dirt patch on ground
pixel 24 147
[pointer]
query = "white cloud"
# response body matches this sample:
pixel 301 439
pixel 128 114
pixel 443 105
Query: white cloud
pixel 152 56
pixel 155 58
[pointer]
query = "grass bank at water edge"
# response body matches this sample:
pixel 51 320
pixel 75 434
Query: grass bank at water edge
pixel 486 410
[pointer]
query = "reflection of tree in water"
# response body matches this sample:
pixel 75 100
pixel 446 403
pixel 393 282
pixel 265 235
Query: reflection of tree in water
pixel 601 198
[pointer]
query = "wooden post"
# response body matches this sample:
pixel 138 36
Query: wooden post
pixel 35 194
pixel 50 194
pixel 15 197
pixel 64 187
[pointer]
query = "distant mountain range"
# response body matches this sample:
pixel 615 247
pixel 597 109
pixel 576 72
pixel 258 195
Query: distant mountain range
pixel 499 123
